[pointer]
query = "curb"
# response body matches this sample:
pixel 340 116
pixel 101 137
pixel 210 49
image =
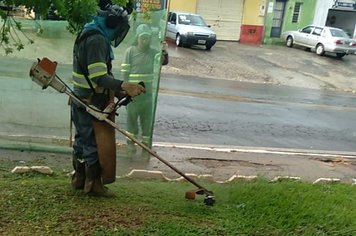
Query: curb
pixel 158 175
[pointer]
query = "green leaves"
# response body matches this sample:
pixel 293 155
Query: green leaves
pixel 77 13
pixel 12 35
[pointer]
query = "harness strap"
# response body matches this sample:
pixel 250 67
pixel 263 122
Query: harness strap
pixel 80 38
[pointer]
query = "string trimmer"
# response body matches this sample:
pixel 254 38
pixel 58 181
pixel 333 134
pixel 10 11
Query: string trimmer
pixel 43 72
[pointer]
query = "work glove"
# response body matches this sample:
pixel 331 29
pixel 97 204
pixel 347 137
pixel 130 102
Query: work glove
pixel 165 56
pixel 132 89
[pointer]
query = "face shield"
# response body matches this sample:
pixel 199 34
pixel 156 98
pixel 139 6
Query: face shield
pixel 120 32
pixel 116 23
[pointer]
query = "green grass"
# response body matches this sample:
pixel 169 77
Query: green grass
pixel 33 204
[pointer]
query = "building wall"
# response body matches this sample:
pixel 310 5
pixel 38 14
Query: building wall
pixel 306 17
pixel 254 12
pixel 224 16
pixel 253 21
pixel 183 5
pixel 330 13
pixel 342 19
pixel 321 11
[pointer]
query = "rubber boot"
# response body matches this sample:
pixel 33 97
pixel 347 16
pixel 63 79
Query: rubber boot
pixel 131 148
pixel 144 153
pixel 93 183
pixel 78 178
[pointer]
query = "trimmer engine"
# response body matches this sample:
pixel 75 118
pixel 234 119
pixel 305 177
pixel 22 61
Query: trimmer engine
pixel 43 72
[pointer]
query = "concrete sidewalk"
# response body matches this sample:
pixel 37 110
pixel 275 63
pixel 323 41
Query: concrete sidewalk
pixel 225 162
pixel 218 163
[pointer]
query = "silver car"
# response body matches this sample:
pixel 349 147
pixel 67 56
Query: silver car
pixel 188 29
pixel 321 39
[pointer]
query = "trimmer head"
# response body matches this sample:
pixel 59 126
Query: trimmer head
pixel 209 199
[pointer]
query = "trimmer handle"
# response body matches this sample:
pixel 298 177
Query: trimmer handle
pixel 127 99
pixel 142 84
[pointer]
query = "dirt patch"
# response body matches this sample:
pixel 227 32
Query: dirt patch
pixel 219 163
pixel 215 69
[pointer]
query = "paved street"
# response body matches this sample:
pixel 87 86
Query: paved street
pixel 46 111
pixel 265 64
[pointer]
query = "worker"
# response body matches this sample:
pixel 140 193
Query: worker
pixel 138 65
pixel 94 140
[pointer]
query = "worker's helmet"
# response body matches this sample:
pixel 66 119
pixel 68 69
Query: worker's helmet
pixel 116 22
pixel 143 29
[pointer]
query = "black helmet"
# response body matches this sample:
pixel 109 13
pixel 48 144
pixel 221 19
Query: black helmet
pixel 116 20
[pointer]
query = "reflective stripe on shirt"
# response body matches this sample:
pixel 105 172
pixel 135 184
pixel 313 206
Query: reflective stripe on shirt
pixel 125 67
pixel 135 78
pixel 95 70
pixel 80 81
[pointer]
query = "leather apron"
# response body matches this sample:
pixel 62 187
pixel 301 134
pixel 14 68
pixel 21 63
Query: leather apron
pixel 106 144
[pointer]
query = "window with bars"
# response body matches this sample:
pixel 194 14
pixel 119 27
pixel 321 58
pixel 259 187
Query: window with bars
pixel 296 13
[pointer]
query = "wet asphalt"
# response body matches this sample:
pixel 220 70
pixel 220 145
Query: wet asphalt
pixel 313 119
pixel 241 114
pixel 309 109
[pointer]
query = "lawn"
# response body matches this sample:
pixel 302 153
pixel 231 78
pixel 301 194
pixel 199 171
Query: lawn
pixel 33 204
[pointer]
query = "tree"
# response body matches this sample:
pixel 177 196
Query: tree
pixel 76 12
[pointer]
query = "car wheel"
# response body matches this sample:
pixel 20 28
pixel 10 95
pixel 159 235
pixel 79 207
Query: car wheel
pixel 289 42
pixel 320 49
pixel 178 40
pixel 340 55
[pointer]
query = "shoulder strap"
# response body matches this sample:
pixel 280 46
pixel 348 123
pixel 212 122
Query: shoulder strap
pixel 80 38
pixel 85 35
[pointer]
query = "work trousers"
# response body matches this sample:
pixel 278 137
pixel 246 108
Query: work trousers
pixel 84 145
pixel 140 114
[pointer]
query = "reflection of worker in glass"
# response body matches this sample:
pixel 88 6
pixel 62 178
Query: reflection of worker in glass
pixel 138 65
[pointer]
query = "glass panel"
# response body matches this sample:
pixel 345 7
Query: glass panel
pixel 338 33
pixel 296 13
pixel 35 115
pixel 276 23
pixel 308 29
pixel 278 12
pixel 275 31
pixel 142 53
pixel 317 31
pixel 191 20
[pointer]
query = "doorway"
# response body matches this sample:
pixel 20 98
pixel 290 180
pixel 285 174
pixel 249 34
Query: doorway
pixel 278 14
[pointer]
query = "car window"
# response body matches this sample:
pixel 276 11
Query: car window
pixel 173 18
pixel 307 30
pixel 191 20
pixel 317 31
pixel 338 33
